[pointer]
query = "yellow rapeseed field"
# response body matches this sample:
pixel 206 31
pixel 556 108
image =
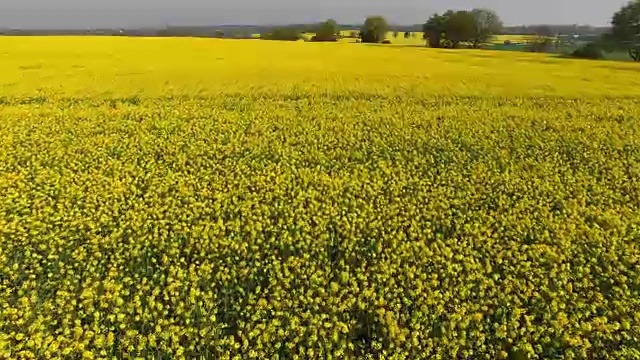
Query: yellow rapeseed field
pixel 246 199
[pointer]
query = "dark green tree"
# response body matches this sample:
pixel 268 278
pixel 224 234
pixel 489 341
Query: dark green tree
pixel 327 31
pixel 460 27
pixel 450 29
pixel 434 30
pixel 625 29
pixel 374 30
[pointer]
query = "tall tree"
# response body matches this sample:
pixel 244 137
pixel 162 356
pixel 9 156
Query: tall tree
pixel 625 29
pixel 487 23
pixel 460 27
pixel 374 30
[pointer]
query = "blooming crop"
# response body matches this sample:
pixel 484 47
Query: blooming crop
pixel 342 216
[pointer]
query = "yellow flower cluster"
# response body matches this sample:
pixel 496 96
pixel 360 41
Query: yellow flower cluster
pixel 308 224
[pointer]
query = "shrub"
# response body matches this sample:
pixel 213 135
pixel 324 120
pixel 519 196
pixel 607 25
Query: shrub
pixel 589 51
pixel 283 33
pixel 634 52
pixel 332 38
pixel 541 44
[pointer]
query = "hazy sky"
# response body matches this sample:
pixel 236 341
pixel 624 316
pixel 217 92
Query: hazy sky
pixel 131 13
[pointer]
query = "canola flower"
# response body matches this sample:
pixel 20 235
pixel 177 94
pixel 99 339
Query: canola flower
pixel 392 219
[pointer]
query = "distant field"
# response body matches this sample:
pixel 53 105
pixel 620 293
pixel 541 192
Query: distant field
pixel 118 67
pixel 205 198
pixel 415 39
pixel 516 39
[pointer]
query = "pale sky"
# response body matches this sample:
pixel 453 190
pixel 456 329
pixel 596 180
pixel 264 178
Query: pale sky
pixel 135 13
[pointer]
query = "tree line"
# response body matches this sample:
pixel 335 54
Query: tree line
pixel 447 30
pixel 455 27
pixel 554 29
pixel 473 28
